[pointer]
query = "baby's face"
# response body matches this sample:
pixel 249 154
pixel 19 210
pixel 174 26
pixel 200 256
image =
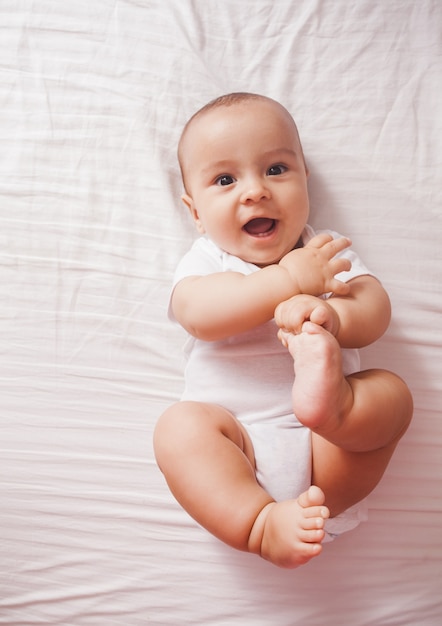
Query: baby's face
pixel 246 180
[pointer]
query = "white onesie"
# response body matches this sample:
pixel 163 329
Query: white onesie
pixel 251 375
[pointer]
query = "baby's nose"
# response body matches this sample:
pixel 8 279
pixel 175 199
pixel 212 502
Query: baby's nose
pixel 254 191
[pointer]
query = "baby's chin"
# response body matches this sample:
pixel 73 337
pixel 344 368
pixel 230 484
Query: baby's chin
pixel 262 257
pixel 264 262
pixel 270 260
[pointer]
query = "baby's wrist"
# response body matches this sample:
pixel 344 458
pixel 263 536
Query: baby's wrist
pixel 289 277
pixel 275 284
pixel 289 282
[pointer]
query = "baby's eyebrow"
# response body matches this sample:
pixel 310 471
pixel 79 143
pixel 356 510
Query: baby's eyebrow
pixel 277 152
pixel 217 166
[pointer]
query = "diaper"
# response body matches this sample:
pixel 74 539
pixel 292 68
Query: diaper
pixel 348 520
pixel 283 456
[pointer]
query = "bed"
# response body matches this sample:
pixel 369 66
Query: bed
pixel 93 98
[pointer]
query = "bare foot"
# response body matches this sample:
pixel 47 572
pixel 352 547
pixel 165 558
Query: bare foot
pixel 321 395
pixel 290 533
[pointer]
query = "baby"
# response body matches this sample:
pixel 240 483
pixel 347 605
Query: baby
pixel 259 456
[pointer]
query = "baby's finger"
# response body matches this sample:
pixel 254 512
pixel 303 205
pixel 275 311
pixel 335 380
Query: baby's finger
pixel 336 245
pixel 318 241
pixel 339 288
pixel 291 318
pixel 291 323
pixel 283 337
pixel 339 265
pixel 320 316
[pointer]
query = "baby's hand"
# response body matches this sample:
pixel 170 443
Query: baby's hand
pixel 291 314
pixel 313 268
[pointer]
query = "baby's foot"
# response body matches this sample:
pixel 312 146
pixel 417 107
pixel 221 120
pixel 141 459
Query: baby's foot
pixel 321 394
pixel 291 532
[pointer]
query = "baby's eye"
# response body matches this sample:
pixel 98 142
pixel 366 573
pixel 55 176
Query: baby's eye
pixel 224 180
pixel 276 170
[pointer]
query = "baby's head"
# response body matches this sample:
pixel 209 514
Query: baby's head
pixel 230 100
pixel 244 176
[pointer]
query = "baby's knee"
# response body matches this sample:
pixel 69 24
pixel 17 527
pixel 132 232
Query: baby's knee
pixel 174 422
pixel 181 422
pixel 167 433
pixel 405 403
pixel 401 399
pixel 186 423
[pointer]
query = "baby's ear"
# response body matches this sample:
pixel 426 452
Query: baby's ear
pixel 193 212
pixel 187 201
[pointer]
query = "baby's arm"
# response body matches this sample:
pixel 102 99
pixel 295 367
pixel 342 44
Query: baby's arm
pixel 226 303
pixel 356 319
pixel 364 314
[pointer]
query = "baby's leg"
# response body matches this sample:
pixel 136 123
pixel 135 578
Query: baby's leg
pixel 361 412
pixel 208 461
pixel 357 420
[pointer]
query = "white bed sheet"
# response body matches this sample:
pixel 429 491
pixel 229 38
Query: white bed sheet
pixel 93 98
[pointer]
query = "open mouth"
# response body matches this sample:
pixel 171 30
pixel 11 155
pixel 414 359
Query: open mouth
pixel 260 226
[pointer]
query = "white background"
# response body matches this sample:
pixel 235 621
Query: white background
pixel 93 97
